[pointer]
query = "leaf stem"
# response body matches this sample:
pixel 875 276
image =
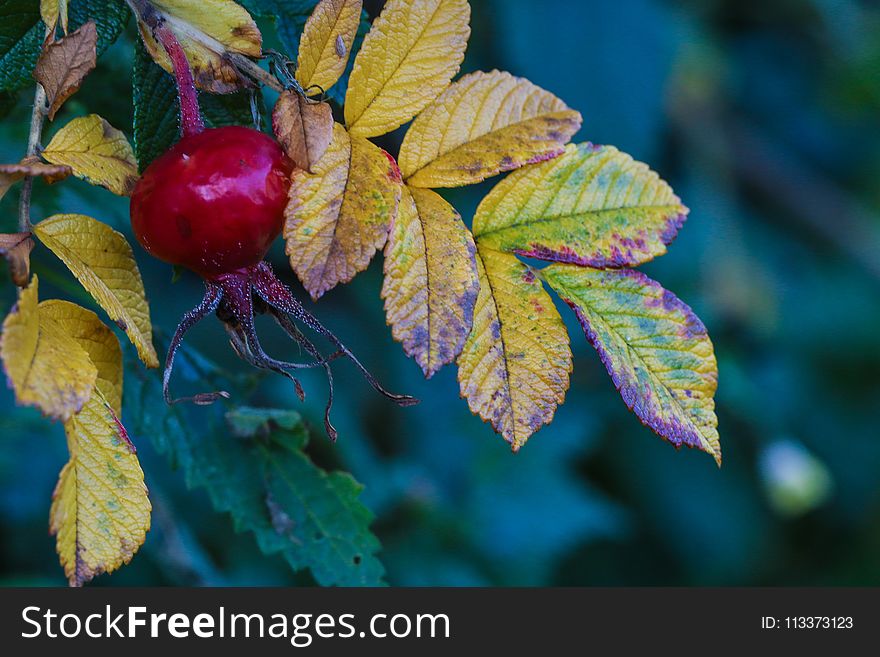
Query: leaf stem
pixel 38 115
pixel 190 118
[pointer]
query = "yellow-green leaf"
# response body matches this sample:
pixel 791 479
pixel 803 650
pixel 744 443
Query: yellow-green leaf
pixel 483 124
pixel 408 57
pixel 654 347
pixel 51 11
pixel 102 261
pixel 100 511
pixel 592 206
pixel 96 152
pixel 431 279
pixel 44 366
pixel 514 367
pixel 208 31
pixel 338 216
pixel 325 44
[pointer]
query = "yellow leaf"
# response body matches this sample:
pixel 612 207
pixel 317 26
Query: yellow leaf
pixel 100 510
pixel 326 42
pixel 16 248
pixel 44 365
pixel 514 367
pixel 64 64
pixel 483 124
pixel 96 152
pixel 304 128
pixel 207 30
pixel 51 10
pixel 592 206
pixel 408 57
pixel 339 216
pixel 102 261
pixel 431 279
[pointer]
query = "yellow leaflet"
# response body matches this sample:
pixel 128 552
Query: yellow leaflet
pixel 325 44
pixel 52 10
pixel 96 152
pixel 431 279
pixel 654 347
pixel 207 30
pixel 45 366
pixel 514 367
pixel 100 510
pixel 339 216
pixel 408 57
pixel 483 124
pixel 103 263
pixel 591 206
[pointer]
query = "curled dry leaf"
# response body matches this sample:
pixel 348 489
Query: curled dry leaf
pixel 30 166
pixel 53 10
pixel 100 511
pixel 96 152
pixel 514 368
pixel 408 57
pixel 431 282
pixel 16 248
pixel 64 64
pixel 208 31
pixel 656 350
pixel 102 261
pixel 326 43
pixel 483 124
pixel 304 128
pixel 44 366
pixel 339 216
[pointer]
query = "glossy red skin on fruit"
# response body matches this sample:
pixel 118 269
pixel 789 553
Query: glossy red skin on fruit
pixel 213 203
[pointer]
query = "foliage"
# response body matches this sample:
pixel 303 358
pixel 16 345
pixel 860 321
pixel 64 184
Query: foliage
pixel 474 296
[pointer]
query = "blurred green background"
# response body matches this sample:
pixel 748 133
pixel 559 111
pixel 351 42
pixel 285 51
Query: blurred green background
pixel 764 116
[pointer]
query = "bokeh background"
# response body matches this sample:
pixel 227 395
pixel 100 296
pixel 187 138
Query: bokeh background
pixel 764 116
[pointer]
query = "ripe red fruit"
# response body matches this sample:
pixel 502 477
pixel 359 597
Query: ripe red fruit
pixel 214 203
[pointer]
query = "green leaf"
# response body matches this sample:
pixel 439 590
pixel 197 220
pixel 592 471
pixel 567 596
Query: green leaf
pixel 592 206
pixel 654 347
pixel 253 466
pixel 289 17
pixel 157 109
pixel 22 32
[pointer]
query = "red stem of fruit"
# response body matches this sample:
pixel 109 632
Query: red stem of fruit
pixel 190 117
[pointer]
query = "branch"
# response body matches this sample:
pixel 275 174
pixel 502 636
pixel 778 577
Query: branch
pixel 38 115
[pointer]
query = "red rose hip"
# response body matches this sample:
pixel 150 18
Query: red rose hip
pixel 214 202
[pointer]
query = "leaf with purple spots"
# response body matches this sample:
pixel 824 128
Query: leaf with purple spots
pixel 593 206
pixel 654 347
pixel 431 281
pixel 514 367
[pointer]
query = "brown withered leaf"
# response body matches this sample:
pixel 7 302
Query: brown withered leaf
pixel 16 248
pixel 30 166
pixel 64 64
pixel 303 127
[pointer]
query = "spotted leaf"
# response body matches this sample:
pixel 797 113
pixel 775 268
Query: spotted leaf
pixel 325 44
pixel 655 349
pixel 592 206
pixel 514 367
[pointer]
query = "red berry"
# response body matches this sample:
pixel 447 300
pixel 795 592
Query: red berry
pixel 213 203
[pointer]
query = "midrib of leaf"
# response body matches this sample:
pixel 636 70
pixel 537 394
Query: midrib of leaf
pixel 578 216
